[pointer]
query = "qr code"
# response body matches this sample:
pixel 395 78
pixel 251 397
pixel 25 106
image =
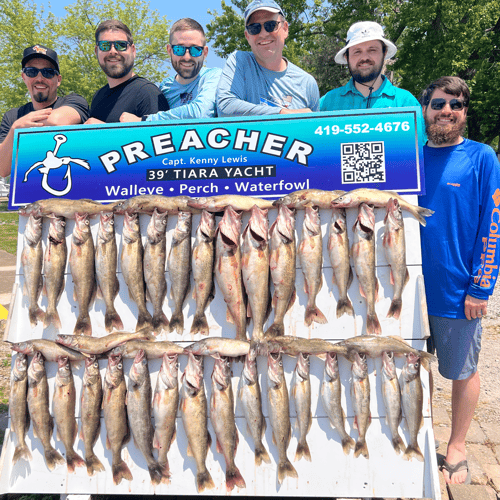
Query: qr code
pixel 363 162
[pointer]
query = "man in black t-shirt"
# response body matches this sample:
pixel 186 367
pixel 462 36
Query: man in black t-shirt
pixel 125 91
pixel 41 75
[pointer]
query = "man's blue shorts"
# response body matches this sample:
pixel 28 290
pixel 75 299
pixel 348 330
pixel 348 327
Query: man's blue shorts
pixel 457 343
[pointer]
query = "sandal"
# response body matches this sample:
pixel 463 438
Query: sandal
pixel 460 466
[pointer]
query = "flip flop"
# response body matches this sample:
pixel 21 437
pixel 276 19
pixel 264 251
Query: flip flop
pixel 460 466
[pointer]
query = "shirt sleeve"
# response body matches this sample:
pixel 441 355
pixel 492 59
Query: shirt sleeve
pixel 150 100
pixel 78 103
pixel 202 106
pixel 487 245
pixel 313 92
pixel 6 125
pixel 231 92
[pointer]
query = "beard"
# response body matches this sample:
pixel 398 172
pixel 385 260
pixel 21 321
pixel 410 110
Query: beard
pixel 365 78
pixel 117 69
pixel 449 134
pixel 41 97
pixel 188 73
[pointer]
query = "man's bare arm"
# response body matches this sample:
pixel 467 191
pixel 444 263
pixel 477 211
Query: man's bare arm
pixel 65 115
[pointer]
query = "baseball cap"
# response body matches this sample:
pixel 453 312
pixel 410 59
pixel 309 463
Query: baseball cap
pixel 269 5
pixel 365 31
pixel 40 51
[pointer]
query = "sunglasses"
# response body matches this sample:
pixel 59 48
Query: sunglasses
pixel 46 72
pixel 269 26
pixel 120 46
pixel 440 103
pixel 180 50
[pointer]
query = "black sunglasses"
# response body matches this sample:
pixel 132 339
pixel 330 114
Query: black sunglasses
pixel 120 46
pixel 439 103
pixel 46 72
pixel 194 51
pixel 269 26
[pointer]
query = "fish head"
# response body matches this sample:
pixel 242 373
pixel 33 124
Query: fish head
pixel 394 215
pixel 203 203
pixel 258 224
pixel 36 369
pixel 57 228
pixel 157 226
pixel 343 201
pixel 193 374
pixel 23 347
pixel 359 366
pixel 250 367
pixel 20 367
pixel 388 365
pixel 332 366
pixel 285 223
pixel 312 222
pixel 92 371
pixel 114 371
pixel 139 370
pixel 31 208
pixel 275 373
pixel 411 368
pixel 67 340
pixel 131 227
pixel 230 227
pixel 207 225
pixel 120 207
pixel 106 225
pixel 365 222
pixel 221 374
pixel 184 222
pixel 303 365
pixel 338 221
pixel 81 231
pixel 33 229
pixel 169 370
pixel 64 373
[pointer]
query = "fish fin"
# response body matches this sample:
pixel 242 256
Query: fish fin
pixel 165 472
pixel 361 291
pixel 218 447
pixel 200 324
pixel 292 300
pixel 209 439
pixel 286 469
pixel 112 320
pixel 121 471
pixel 261 455
pixel 314 314
pixel 189 451
pixel 376 290
pixel 99 294
pixel 204 481
pixel 160 323
pixel 229 316
pixel 44 289
pixel 234 478
pixel 144 320
pixel 22 452
pixel 351 277
pixel 156 443
pixel 274 300
pixel 93 465
pixel 108 444
pixel 373 325
pixel 361 449
pixel 425 363
pixel 174 437
pixel 237 442
pixel 83 325
pixel 275 330
pixel 155 473
pixel 302 451
pixel 407 277
pixel 420 213
pixel 52 318
pixel 344 306
pixel 274 440
pixel 355 423
pixel 392 278
pixel 398 444
pixel 53 458
pixel 395 309
pixel 177 323
pixel 413 451
pixel 348 444
pixel 193 295
pixel 73 460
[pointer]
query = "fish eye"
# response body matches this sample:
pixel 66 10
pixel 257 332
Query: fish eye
pixel 112 222
pixel 119 366
pixel 281 363
pixel 87 222
pixel 96 364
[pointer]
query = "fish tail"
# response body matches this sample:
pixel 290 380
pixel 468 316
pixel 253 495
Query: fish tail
pixel 398 444
pixel 112 320
pixel 234 478
pixel 200 324
pixel 344 306
pixel 348 444
pixel 53 458
pixel 372 324
pixel 261 455
pixel 35 315
pixel 144 320
pixel 160 323
pixel 52 318
pixel 413 451
pixel 155 473
pixel 83 326
pixel 204 481
pixel 121 471
pixel 276 330
pixel 314 314
pixel 421 212
pixel 286 469
pixel 302 451
pixel 22 452
pixel 93 465
pixel 177 323
pixel 165 471
pixel 361 449
pixel 395 309
pixel 74 460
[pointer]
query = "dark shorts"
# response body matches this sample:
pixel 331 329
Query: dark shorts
pixel 457 343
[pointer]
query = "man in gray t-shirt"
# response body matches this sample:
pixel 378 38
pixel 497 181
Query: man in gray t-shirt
pixel 263 82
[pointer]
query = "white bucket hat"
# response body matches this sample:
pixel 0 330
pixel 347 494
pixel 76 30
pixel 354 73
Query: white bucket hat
pixel 365 31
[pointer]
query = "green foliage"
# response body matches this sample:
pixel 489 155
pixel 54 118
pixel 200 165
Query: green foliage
pixel 8 232
pixel 23 23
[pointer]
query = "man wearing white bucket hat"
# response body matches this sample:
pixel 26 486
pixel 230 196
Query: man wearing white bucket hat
pixel 364 53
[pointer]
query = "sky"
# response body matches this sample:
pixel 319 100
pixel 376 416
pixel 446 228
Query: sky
pixel 174 10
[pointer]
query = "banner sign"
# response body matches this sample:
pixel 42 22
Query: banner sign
pixel 256 156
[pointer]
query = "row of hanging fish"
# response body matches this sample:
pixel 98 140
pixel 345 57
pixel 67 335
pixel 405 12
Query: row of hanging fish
pixel 128 409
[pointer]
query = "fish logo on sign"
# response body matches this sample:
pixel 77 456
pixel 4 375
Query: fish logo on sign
pixel 52 162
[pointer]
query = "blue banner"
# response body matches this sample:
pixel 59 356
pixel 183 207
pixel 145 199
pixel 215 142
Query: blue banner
pixel 256 156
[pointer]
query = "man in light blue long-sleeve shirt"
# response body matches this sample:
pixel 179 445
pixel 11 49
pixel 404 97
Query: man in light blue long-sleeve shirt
pixel 191 92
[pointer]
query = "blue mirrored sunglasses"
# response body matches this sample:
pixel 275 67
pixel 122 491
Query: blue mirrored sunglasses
pixel 180 50
pixel 120 46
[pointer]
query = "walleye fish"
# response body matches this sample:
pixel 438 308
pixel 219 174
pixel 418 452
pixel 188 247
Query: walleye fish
pixel 179 268
pixel 132 267
pixel 146 204
pixel 193 409
pixel 106 259
pixel 395 253
pixel 153 349
pixel 228 270
pixel 54 266
pixel 301 391
pixel 165 404
pixel 293 346
pixel 155 255
pixel 363 254
pixel 360 397
pixel 223 421
pixel 308 197
pixel 81 263
pixel 32 261
pixel 202 264
pixel 18 406
pixel 50 350
pixel 279 414
pixel 237 202
pixel 91 403
pixel 282 256
pixel 94 345
pixel 379 199
pixel 413 402
pixel 331 394
pixel 251 400
pixel 38 406
pixel 255 269
pixel 64 401
pixel 212 346
pixel 115 417
pixel 311 260
pixel 139 413
pixel 64 207
pixel 392 399
pixel 338 251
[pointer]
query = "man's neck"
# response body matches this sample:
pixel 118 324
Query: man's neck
pixel 277 65
pixel 114 82
pixel 185 81
pixel 42 105
pixel 364 88
pixel 447 144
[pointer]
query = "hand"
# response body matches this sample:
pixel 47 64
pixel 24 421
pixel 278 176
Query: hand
pixel 93 121
pixel 33 119
pixel 475 308
pixel 129 117
pixel 286 111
